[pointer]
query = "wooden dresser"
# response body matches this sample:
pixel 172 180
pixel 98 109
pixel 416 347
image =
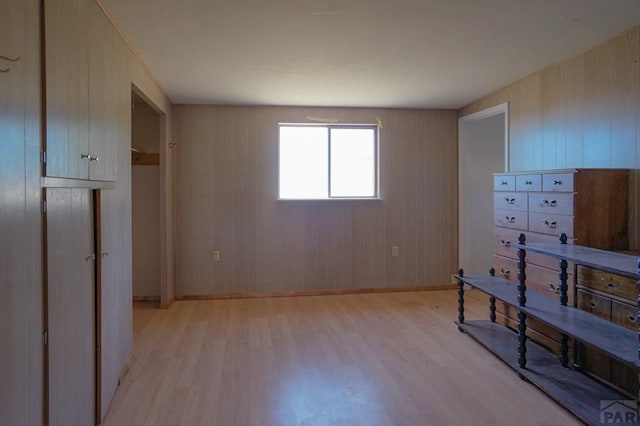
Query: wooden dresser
pixel 589 205
pixel 611 297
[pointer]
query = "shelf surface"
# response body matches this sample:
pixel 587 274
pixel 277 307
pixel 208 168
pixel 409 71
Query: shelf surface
pixel 615 263
pixel 616 341
pixel 572 389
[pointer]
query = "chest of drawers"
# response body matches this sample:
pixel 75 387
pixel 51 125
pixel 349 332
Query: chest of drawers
pixel 589 205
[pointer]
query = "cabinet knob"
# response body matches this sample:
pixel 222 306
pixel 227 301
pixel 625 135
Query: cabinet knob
pixel 86 156
pixel 593 304
pixel 551 203
pixel 631 318
pixel 609 284
pixel 504 183
pixel 510 219
pixel 551 225
pixel 510 200
pixel 92 256
pixel 96 159
pixel 528 182
pixel 557 182
pixel 505 243
pixel 505 273
pixel 553 288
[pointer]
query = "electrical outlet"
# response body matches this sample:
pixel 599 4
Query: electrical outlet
pixel 215 255
pixel 395 251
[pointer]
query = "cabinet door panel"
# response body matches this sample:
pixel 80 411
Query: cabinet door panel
pixel 102 96
pixel 67 100
pixel 71 307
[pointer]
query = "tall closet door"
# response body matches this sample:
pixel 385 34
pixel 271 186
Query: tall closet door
pixel 71 307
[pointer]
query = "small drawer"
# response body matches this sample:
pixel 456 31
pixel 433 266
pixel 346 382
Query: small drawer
pixel 594 304
pixel 510 219
pixel 510 201
pixel 551 203
pixel 624 315
pixel 546 281
pixel 504 183
pixel 506 268
pixel 607 283
pixel 557 182
pixel 552 224
pixel 528 183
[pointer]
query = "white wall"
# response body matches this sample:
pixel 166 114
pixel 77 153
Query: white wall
pixel 145 182
pixel 482 150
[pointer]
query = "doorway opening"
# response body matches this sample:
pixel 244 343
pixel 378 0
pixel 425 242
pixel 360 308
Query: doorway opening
pixel 145 199
pixel 483 149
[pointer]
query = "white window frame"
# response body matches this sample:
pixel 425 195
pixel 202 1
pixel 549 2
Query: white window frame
pixel 329 126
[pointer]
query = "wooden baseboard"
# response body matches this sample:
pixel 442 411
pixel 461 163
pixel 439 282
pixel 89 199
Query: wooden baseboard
pixel 166 305
pixel 312 293
pixel 125 369
pixel 146 298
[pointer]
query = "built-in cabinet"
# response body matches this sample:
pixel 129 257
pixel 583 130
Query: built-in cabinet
pixel 81 96
pixel 71 307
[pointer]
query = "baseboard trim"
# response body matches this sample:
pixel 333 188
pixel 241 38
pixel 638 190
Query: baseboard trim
pixel 313 293
pixel 125 369
pixel 146 298
pixel 166 305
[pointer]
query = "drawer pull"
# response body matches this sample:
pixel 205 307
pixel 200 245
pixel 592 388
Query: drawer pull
pixel 551 203
pixel 631 318
pixel 528 182
pixel 505 273
pixel 510 200
pixel 505 243
pixel 557 182
pixel 553 288
pixel 551 225
pixel 504 183
pixel 593 304
pixel 510 219
pixel 609 284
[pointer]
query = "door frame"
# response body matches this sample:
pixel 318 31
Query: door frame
pixel 464 138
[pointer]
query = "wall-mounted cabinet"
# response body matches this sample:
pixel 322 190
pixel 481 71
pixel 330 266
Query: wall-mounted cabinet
pixel 81 103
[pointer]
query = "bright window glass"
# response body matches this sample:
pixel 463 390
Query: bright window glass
pixel 323 162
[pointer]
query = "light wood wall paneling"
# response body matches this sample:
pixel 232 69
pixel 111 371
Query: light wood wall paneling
pixel 582 112
pixel 572 89
pixel 597 107
pixel 21 305
pixel 624 95
pixel 227 183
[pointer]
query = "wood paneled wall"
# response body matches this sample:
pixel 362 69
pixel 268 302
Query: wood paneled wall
pixel 21 304
pixel 581 112
pixel 226 190
pixel 21 298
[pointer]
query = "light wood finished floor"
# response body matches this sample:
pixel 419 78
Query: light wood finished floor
pixel 369 359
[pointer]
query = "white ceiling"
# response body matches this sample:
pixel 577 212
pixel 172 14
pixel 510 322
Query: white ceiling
pixel 378 53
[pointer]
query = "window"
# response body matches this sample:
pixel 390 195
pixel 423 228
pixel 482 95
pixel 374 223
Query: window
pixel 328 161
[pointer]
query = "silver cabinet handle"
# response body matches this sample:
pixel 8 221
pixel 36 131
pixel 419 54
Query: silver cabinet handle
pixel 105 254
pixel 504 182
pixel 551 203
pixel 510 200
pixel 557 182
pixel 92 256
pixel 510 219
pixel 551 225
pixel 89 157
pixel 505 243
